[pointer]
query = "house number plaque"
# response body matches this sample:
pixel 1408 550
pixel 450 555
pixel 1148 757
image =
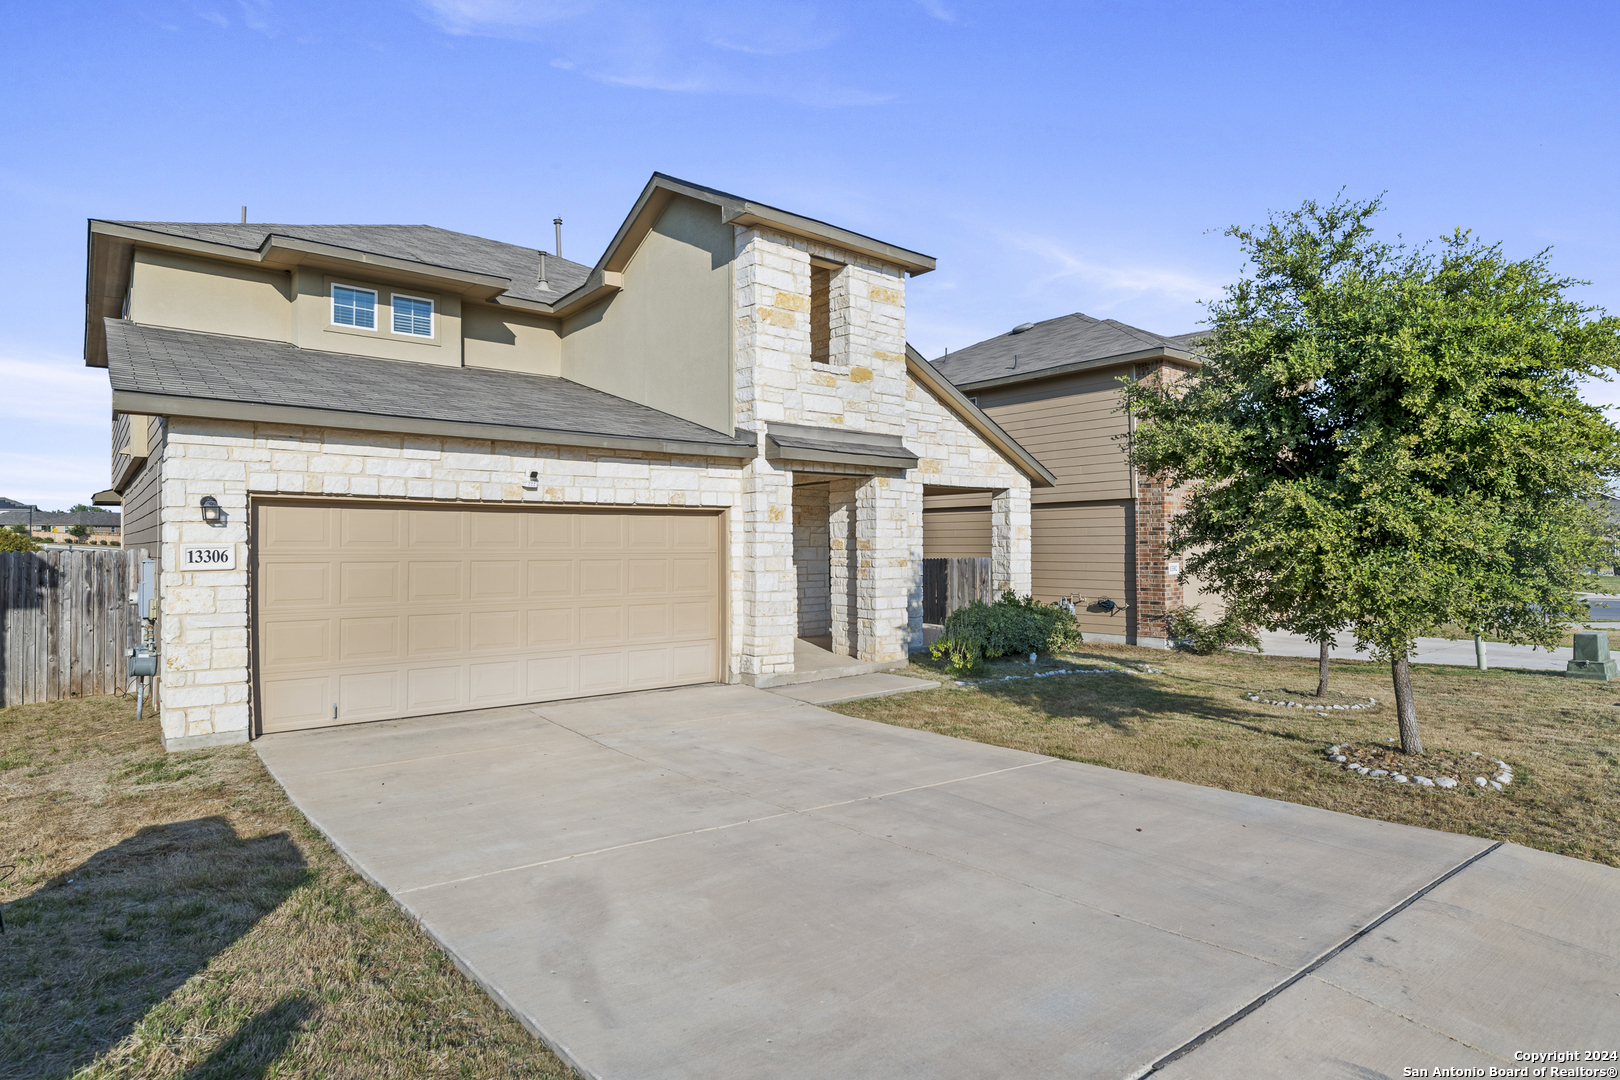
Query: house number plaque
pixel 208 557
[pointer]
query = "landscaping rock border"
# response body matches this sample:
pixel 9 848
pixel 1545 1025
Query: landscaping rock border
pixel 1347 757
pixel 1361 703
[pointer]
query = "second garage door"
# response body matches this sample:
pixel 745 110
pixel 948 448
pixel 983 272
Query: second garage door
pixel 367 612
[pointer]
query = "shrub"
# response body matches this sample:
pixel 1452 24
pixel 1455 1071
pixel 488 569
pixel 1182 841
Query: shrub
pixel 1195 635
pixel 1012 626
pixel 16 541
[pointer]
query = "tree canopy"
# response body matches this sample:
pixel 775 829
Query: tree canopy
pixel 1388 439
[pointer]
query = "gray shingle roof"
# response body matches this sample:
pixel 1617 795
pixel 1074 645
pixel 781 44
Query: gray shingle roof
pixel 1068 339
pixel 214 367
pixel 98 518
pixel 415 243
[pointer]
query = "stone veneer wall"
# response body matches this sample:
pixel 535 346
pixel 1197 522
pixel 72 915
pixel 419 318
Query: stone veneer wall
pixel 812 559
pixel 204 691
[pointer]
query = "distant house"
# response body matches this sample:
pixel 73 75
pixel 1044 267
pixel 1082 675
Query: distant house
pixel 48 526
pixel 1100 534
pixel 13 504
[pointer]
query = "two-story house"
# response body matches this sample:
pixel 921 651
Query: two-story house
pixel 1100 535
pixel 393 470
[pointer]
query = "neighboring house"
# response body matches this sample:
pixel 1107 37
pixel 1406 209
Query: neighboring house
pixel 448 473
pixel 1100 533
pixel 13 504
pixel 46 525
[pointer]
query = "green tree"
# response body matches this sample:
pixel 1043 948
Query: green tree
pixel 1389 439
pixel 12 540
pixel 79 531
pixel 81 508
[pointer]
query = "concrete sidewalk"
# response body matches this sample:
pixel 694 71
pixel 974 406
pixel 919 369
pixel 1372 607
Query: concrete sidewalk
pixel 722 882
pixel 1429 651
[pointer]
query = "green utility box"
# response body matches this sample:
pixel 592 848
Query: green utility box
pixel 1592 658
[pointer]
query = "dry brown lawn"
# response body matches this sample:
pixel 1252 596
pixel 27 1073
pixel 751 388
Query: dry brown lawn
pixel 173 915
pixel 1192 723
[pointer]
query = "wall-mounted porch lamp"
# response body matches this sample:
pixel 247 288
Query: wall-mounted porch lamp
pixel 212 514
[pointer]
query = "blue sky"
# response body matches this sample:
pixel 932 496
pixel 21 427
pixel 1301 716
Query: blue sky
pixel 1054 158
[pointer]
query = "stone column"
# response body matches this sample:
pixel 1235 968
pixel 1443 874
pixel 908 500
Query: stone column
pixel 843 564
pixel 770 597
pixel 1011 566
pixel 883 593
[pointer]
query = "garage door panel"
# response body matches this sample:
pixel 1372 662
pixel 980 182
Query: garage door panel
pixel 550 532
pixel 285 585
pixel 428 635
pixel 433 689
pixel 551 628
pixel 601 673
pixel 369 582
pixel 495 630
pixel 600 577
pixel 645 531
pixel 368 695
pixel 601 531
pixel 368 639
pixel 294 642
pixel 601 625
pixel 295 528
pixel 296 703
pixel 551 578
pixel 551 677
pixel 435 582
pixel 388 612
pixel 648 667
pixel 369 529
pixel 497 580
pixel 501 531
pixel 428 531
pixel 692 618
pixel 688 663
pixel 644 622
pixel 495 683
pixel 693 575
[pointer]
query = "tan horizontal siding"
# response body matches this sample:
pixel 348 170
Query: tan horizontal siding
pixel 1072 427
pixel 1083 551
pixel 956 534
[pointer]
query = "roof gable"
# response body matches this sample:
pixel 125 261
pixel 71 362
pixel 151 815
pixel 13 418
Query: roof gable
pixel 1059 343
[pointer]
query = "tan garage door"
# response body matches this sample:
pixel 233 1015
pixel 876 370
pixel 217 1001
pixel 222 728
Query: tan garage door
pixel 365 612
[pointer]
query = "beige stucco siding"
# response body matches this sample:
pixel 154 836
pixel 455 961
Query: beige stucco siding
pixel 504 339
pixel 187 292
pixel 956 534
pixel 664 340
pixel 313 327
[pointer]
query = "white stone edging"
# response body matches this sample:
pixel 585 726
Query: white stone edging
pixel 1503 778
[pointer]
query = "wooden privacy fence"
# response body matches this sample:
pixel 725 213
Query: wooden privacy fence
pixel 949 584
pixel 65 621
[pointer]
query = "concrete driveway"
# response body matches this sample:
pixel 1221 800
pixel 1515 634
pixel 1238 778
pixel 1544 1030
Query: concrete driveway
pixel 721 882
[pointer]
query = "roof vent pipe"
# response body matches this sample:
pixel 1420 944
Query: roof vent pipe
pixel 244 215
pixel 558 222
pixel 544 284
pixel 1021 327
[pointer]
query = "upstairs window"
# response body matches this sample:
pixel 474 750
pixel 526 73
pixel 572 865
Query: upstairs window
pixel 413 315
pixel 354 307
pixel 820 315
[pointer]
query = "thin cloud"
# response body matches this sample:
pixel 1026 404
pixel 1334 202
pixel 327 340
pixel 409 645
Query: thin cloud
pixel 1116 284
pixel 501 18
pixel 937 10
pixel 55 390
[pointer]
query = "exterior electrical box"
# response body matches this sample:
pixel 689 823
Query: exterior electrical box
pixel 145 592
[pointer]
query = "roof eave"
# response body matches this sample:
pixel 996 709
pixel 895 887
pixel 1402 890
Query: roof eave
pixel 1158 353
pixel 735 210
pixel 131 401
pixel 1004 444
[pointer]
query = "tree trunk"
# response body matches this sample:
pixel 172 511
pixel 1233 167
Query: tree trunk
pixel 1405 707
pixel 1322 670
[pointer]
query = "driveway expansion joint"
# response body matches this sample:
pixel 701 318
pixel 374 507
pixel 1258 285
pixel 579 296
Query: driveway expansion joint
pixel 1222 1025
